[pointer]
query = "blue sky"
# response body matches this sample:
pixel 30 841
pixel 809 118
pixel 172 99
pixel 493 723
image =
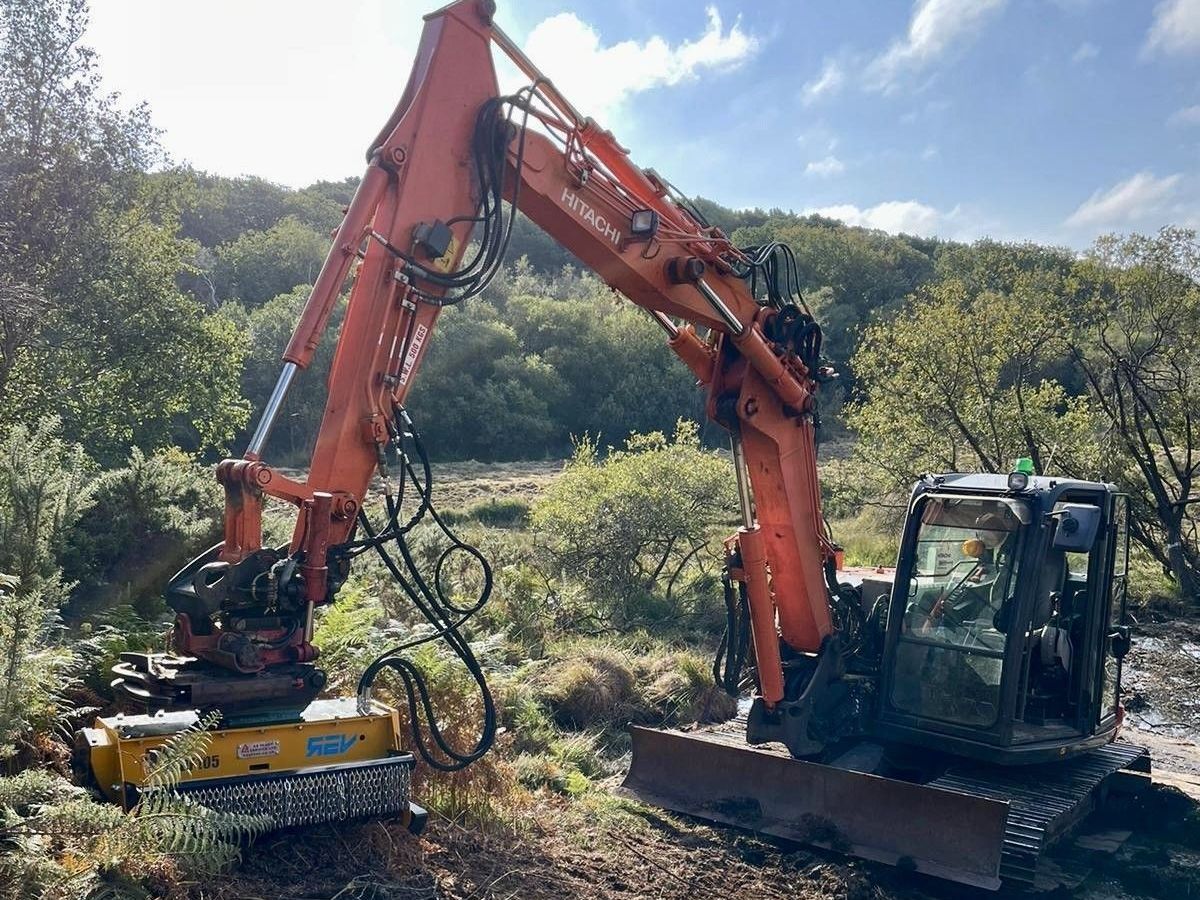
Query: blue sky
pixel 1054 120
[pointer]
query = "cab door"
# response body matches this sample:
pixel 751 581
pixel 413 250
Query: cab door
pixel 1109 689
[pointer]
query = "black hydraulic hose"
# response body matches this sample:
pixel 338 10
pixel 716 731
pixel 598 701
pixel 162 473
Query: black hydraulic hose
pixel 735 642
pixel 432 601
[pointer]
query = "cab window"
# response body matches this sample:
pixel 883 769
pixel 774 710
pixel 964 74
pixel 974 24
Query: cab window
pixel 950 655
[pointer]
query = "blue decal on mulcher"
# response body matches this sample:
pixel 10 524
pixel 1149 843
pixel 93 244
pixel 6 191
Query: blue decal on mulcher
pixel 330 744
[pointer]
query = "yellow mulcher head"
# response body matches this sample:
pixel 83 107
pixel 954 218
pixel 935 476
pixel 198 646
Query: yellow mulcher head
pixel 331 762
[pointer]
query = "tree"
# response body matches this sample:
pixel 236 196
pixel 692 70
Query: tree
pixel 219 210
pixel 45 486
pixel 479 394
pixel 145 521
pixel 957 382
pixel 1135 339
pixel 857 275
pixel 618 375
pixel 268 330
pixel 114 347
pixel 260 265
pixel 22 307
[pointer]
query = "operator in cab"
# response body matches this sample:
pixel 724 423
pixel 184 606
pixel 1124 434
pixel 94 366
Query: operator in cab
pixel 985 588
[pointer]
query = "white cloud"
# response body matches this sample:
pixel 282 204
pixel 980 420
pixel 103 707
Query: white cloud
pixel 931 152
pixel 937 27
pixel 227 117
pixel 1125 203
pixel 895 216
pixel 1175 28
pixel 827 83
pixel 597 78
pixel 1087 50
pixel 826 167
pixel 1189 115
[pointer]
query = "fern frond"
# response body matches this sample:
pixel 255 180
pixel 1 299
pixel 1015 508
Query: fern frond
pixel 185 750
pixel 34 787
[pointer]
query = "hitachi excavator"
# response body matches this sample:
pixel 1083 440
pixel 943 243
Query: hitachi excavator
pixel 953 716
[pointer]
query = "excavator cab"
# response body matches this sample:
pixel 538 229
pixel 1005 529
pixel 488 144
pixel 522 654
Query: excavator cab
pixel 1004 634
pixel 986 720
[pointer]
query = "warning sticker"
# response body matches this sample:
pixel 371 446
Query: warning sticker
pixel 414 348
pixel 257 749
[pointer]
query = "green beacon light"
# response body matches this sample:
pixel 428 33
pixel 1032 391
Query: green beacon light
pixel 1018 478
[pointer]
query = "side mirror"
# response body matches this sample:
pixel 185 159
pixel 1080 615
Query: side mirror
pixel 1119 641
pixel 1077 527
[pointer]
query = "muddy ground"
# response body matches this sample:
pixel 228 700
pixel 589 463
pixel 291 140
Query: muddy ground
pixel 603 847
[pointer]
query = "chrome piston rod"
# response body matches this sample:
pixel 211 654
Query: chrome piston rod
pixel 745 498
pixel 271 412
pixel 714 300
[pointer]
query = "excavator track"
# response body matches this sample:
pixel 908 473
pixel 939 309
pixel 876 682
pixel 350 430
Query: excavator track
pixel 975 824
pixel 1045 801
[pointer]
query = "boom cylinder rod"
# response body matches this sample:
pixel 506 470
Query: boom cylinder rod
pixel 665 322
pixel 731 321
pixel 745 501
pixel 271 412
pixel 533 73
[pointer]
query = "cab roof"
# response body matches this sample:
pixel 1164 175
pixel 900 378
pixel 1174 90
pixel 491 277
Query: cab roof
pixel 998 484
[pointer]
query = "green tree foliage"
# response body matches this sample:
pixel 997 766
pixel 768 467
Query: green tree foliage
pixel 114 347
pixel 485 397
pixel 956 382
pixel 259 265
pixel 147 519
pixel 518 374
pixel 1134 337
pixel 45 486
pixel 219 210
pixel 632 526
pixel 268 330
pixel 864 274
pixel 1088 366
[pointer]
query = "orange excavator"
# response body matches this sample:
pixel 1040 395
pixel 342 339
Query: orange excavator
pixel 954 716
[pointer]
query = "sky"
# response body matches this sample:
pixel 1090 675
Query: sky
pixel 1049 120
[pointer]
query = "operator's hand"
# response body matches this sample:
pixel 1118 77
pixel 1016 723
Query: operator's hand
pixel 933 618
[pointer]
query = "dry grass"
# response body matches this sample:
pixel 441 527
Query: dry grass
pixel 867 539
pixel 460 485
pixel 598 684
pixel 595 688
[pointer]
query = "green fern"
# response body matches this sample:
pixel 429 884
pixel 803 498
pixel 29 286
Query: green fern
pixel 183 752
pixel 55 841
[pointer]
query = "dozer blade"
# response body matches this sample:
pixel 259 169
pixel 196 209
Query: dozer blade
pixel 943 833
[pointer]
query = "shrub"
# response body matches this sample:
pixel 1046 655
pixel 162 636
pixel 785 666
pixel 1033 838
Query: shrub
pixel 44 487
pixel 867 539
pixel 567 767
pixel 148 519
pixel 102 641
pixel 498 512
pixel 635 524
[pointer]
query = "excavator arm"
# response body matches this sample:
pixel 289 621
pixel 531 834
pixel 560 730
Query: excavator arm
pixel 427 228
